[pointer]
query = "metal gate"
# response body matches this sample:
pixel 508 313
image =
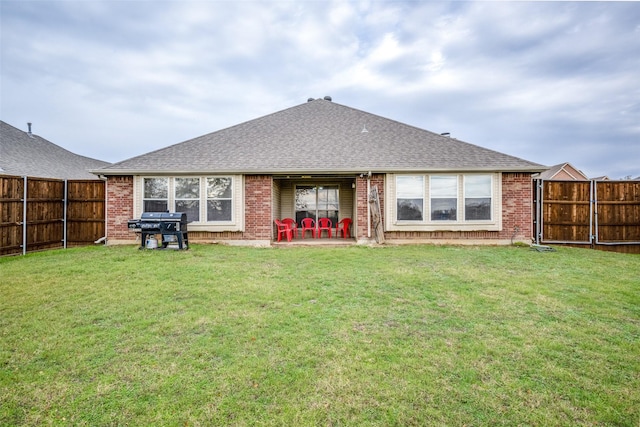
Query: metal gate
pixel 587 212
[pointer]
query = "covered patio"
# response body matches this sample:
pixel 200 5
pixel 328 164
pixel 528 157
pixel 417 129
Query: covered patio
pixel 313 198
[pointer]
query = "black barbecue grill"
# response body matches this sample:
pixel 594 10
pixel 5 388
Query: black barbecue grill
pixel 171 225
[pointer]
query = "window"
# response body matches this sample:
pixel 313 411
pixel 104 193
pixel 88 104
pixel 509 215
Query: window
pixel 477 197
pixel 444 202
pixel 410 198
pixel 187 197
pixel 219 199
pixel 212 203
pixel 444 197
pixel 156 195
pixel 328 202
pixel 317 202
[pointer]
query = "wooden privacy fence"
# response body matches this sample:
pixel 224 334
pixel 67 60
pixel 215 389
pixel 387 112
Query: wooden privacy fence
pixel 41 213
pixel 601 214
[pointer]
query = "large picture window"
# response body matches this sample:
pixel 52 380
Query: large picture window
pixel 212 203
pixel 444 201
pixel 155 195
pixel 410 198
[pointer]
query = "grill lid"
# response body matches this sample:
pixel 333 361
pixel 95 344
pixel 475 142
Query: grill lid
pixel 164 216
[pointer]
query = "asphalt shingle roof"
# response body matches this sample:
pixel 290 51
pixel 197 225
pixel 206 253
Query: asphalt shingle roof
pixel 24 154
pixel 320 136
pixel 555 169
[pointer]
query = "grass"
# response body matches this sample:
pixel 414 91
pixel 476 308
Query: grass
pixel 413 335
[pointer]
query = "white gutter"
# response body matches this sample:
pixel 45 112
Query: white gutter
pixel 307 171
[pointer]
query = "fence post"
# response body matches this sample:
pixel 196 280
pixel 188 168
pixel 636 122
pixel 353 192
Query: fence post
pixel 24 217
pixel 64 214
pixel 592 207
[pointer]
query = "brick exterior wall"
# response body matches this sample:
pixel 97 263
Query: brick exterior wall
pixel 517 213
pixel 517 206
pixel 362 204
pixel 119 207
pixel 257 205
pixel 258 195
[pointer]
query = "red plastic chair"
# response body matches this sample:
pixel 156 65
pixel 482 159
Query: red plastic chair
pixel 292 225
pixel 283 229
pixel 308 224
pixel 324 224
pixel 344 226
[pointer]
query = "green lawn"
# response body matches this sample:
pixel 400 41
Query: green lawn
pixel 413 335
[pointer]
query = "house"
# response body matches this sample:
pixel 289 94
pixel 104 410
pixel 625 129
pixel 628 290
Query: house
pixel 25 154
pixel 321 159
pixel 562 172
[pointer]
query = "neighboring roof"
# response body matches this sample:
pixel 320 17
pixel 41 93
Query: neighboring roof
pixel 563 171
pixel 320 136
pixel 25 154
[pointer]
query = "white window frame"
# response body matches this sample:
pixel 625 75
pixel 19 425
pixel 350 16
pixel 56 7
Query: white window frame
pixel 237 201
pixel 432 197
pixel 460 223
pixel 410 195
pixel 207 198
pixel 465 197
pixel 165 199
pixel 177 199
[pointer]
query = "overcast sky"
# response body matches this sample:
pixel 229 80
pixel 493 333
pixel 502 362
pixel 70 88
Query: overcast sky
pixel 550 82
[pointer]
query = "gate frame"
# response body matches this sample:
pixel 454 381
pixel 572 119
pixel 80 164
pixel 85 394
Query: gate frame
pixel 539 216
